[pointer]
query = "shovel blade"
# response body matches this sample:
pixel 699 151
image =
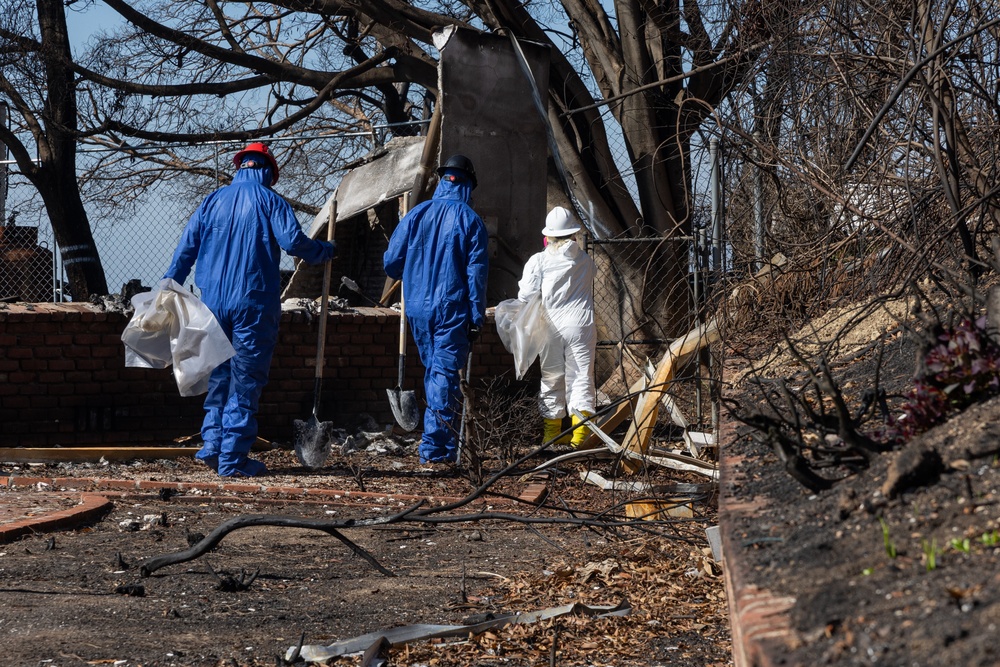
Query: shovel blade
pixel 312 442
pixel 404 408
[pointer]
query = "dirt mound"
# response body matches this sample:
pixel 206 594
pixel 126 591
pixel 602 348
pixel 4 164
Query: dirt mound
pixel 897 564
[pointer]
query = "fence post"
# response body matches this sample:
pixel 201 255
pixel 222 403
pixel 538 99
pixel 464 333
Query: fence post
pixel 3 167
pixel 713 147
pixel 758 206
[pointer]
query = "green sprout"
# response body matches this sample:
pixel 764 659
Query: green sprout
pixel 930 553
pixel 990 539
pixel 867 571
pixel 963 545
pixel 890 547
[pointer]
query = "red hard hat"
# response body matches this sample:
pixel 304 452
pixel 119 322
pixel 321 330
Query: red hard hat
pixel 258 147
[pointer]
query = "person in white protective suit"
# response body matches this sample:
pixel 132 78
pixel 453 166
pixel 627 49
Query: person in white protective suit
pixel 564 274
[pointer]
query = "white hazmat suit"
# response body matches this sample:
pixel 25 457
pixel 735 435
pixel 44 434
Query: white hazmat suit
pixel 564 274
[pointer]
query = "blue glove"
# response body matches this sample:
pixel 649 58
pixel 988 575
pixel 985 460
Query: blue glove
pixel 329 250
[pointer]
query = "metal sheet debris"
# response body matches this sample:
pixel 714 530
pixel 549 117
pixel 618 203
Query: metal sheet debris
pixel 382 179
pixel 657 456
pixel 714 541
pixel 698 441
pixel 410 633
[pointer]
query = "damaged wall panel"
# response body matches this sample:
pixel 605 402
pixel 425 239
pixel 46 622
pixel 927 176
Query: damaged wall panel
pixel 489 116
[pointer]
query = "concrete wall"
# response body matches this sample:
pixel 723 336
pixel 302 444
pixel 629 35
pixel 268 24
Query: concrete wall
pixel 63 379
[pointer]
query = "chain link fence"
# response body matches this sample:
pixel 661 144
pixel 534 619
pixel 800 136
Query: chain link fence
pixel 138 200
pixel 644 301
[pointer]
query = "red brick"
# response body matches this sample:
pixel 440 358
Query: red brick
pixel 58 340
pixel 324 493
pixel 534 493
pixel 154 485
pixel 200 486
pixel 35 339
pixel 73 482
pixel 241 488
pixel 86 339
pixel 34 365
pixel 30 481
pixel 79 352
pixel 125 484
pixel 45 402
pixel 287 490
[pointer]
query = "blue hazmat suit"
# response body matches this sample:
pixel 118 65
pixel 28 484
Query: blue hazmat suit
pixel 439 250
pixel 234 240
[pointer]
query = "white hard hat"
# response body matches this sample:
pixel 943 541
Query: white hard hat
pixel 559 222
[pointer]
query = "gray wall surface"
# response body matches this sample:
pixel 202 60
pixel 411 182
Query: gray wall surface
pixel 489 116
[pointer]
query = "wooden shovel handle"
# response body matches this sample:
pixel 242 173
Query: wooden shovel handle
pixel 405 208
pixel 325 296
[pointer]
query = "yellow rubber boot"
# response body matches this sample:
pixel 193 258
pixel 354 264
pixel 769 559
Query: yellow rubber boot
pixel 553 427
pixel 580 430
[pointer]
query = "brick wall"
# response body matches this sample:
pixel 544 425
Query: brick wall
pixel 63 379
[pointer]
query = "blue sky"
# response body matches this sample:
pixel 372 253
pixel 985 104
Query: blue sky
pixel 85 22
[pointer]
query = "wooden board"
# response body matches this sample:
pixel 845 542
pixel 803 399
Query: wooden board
pixel 186 446
pixel 90 454
pixel 644 417
pixel 657 510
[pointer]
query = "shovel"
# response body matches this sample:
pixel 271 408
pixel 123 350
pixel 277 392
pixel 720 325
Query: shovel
pixel 313 437
pixel 355 291
pixel 403 403
pixel 463 433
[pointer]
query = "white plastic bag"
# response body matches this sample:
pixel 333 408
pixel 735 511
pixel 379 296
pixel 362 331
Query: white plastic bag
pixel 524 329
pixel 172 326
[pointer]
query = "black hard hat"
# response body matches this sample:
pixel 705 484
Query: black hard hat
pixel 461 163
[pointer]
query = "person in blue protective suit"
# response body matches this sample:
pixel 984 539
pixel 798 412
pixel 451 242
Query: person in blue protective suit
pixel 234 240
pixel 439 250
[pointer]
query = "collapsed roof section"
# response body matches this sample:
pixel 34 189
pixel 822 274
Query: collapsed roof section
pixel 381 180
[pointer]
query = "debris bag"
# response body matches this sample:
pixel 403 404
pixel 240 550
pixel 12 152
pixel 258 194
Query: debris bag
pixel 524 328
pixel 171 326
